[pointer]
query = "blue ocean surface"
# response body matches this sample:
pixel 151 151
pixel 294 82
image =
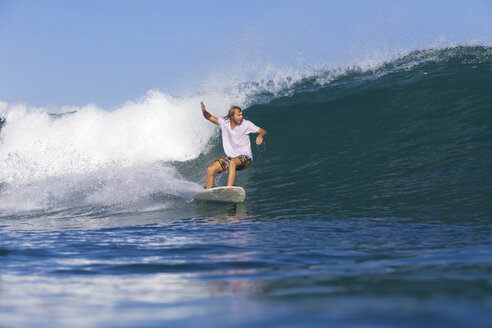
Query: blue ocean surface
pixel 368 205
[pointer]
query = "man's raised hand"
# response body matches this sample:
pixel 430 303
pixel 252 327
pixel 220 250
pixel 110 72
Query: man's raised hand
pixel 208 116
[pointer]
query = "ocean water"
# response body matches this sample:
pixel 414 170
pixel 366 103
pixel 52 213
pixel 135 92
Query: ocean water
pixel 368 205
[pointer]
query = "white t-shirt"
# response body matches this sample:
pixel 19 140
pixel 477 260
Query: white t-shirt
pixel 236 142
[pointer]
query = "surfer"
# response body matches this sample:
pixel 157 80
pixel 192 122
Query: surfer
pixel 235 140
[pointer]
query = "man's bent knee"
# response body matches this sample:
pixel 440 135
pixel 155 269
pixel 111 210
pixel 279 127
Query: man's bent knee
pixel 235 162
pixel 213 168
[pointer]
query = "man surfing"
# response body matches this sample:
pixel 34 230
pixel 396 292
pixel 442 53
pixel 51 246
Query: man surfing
pixel 235 140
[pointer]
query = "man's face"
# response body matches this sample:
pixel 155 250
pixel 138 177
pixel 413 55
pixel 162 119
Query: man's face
pixel 238 117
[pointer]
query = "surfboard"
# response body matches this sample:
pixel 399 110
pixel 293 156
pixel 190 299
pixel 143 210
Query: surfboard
pixel 222 194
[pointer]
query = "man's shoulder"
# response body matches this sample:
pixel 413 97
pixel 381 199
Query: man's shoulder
pixel 250 125
pixel 247 122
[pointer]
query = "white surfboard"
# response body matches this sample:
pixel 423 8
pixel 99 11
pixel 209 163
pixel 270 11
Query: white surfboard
pixel 222 194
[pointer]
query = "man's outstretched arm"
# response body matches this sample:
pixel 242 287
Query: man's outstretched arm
pixel 209 116
pixel 261 134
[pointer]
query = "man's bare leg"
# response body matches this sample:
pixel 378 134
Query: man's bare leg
pixel 212 170
pixel 235 162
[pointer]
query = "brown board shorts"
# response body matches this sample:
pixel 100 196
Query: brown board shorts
pixel 225 162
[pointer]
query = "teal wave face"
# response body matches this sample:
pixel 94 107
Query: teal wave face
pixel 410 139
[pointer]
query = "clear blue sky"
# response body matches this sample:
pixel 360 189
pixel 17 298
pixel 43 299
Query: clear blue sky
pixel 55 53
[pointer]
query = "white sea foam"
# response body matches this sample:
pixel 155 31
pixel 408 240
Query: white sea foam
pixel 90 155
pixel 36 145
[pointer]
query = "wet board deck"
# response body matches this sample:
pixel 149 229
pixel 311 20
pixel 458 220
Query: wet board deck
pixel 222 194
